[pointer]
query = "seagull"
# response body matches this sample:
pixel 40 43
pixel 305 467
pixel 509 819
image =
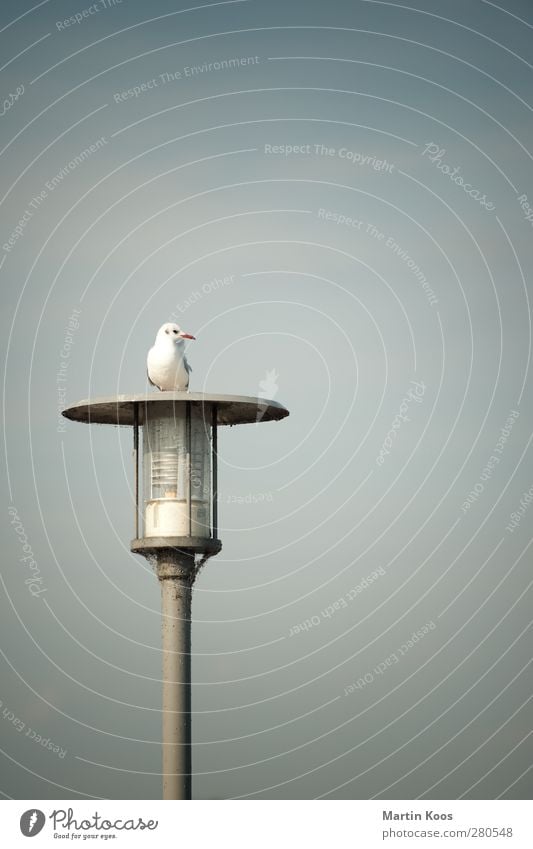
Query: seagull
pixel 167 365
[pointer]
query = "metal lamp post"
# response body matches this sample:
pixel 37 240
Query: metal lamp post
pixel 176 525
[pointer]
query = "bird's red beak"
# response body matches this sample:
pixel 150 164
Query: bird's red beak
pixel 187 336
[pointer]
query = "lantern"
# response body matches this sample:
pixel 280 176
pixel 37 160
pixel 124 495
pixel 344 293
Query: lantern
pixel 176 519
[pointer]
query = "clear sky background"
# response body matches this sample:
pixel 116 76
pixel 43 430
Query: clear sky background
pixel 345 208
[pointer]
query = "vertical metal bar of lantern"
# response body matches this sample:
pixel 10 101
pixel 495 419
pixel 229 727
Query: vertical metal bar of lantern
pixel 136 463
pixel 189 461
pixel 214 470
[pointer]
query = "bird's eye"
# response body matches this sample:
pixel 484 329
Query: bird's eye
pixel 174 331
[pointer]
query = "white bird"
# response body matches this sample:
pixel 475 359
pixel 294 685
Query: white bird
pixel 167 364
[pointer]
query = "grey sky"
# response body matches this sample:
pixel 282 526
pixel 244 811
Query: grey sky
pixel 302 210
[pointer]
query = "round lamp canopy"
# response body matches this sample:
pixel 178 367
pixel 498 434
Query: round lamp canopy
pixel 120 409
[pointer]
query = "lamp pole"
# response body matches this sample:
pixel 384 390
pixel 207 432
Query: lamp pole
pixel 176 520
pixel 175 571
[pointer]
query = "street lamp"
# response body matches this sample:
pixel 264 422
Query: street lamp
pixel 176 525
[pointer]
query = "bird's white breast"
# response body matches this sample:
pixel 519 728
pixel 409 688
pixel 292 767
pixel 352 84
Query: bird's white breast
pixel 166 368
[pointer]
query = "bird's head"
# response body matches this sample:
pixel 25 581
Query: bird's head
pixel 172 333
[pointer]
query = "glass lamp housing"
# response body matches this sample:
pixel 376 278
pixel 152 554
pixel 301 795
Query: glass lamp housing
pixel 175 482
pixel 177 490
